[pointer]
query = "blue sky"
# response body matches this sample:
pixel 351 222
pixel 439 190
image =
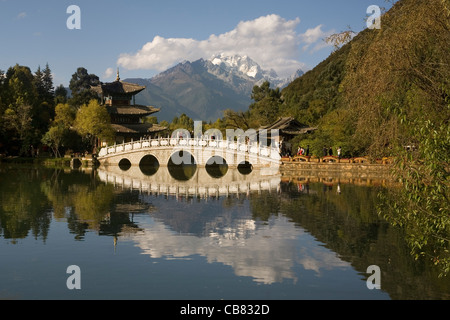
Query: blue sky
pixel 143 38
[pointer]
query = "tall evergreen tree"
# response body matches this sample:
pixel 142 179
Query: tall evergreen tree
pixel 266 107
pixel 44 106
pixel 39 85
pixel 60 95
pixel 47 80
pixel 2 91
pixel 80 85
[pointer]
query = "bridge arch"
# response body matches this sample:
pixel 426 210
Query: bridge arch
pixel 182 165
pixel 149 165
pixel 216 166
pixel 245 167
pixel 124 164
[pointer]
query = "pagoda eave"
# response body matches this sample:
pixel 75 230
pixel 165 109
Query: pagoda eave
pixel 142 128
pixel 132 110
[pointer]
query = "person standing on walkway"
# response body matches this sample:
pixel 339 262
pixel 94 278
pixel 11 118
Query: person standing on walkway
pixel 339 150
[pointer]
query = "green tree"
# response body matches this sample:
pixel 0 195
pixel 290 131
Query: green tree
pixel 19 120
pixel 44 105
pixel 19 86
pixel 422 205
pixel 182 122
pixel 407 58
pixel 93 122
pixel 61 133
pixel 80 85
pixel 266 107
pixel 237 120
pixel 2 110
pixel 64 115
pixel 60 94
pixel 166 124
pixel 47 79
pixel 53 138
pixel 418 102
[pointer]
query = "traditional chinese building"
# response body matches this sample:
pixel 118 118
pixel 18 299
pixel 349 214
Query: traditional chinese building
pixel 127 118
pixel 286 128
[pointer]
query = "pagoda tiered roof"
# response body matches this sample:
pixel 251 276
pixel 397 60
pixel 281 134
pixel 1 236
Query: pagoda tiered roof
pixel 118 87
pixel 126 117
pixel 137 128
pixel 289 126
pixel 132 110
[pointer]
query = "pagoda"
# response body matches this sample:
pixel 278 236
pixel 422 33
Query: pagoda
pixel 126 116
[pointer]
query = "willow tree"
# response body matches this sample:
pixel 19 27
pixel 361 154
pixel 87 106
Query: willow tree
pixel 389 70
pixel 405 112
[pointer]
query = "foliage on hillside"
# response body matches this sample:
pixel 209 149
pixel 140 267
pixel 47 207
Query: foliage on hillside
pixel 358 95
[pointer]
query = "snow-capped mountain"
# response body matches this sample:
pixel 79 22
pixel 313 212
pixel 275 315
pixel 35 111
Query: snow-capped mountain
pixel 239 64
pixel 244 65
pixel 203 89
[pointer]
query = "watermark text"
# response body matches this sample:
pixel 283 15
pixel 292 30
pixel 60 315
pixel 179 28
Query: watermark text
pixel 74 20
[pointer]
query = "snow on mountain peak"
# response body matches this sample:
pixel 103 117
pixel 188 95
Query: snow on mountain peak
pixel 244 65
pixel 239 63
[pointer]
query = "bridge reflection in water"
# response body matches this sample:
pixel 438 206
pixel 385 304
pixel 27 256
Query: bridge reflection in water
pixel 192 181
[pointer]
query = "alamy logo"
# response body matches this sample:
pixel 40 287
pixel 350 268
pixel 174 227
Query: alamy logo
pixel 74 280
pixel 74 20
pixel 374 20
pixel 374 281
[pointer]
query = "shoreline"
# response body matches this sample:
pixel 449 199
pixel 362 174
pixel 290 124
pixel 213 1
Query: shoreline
pixel 344 170
pixel 321 171
pixel 74 162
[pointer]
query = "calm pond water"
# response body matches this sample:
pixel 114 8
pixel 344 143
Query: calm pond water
pixel 132 238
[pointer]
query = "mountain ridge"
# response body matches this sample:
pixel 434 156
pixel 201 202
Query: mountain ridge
pixel 205 88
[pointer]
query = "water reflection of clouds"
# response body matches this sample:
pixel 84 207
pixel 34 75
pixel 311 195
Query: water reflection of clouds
pixel 267 252
pixel 224 232
pixel 319 258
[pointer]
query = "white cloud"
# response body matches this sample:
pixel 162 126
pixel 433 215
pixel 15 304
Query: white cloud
pixel 270 40
pixel 21 15
pixel 315 38
pixel 108 73
pixel 312 35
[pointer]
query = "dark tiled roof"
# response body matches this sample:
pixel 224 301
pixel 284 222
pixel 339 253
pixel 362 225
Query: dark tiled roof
pixel 289 125
pixel 118 87
pixel 141 128
pixel 137 110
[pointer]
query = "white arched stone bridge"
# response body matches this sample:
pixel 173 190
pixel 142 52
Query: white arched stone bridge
pixel 166 151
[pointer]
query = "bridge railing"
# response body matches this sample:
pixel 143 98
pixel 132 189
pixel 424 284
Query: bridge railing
pixel 253 148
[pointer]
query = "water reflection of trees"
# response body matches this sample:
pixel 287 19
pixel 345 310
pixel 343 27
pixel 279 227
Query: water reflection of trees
pixel 22 207
pixel 31 197
pixel 88 204
pixel 426 229
pixel 345 220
